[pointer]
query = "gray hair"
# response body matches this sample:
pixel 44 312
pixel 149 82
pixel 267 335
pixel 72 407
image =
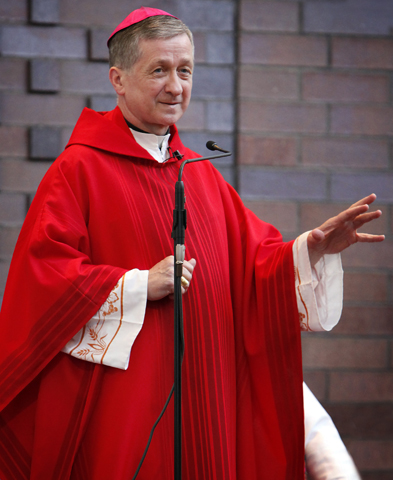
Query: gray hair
pixel 124 49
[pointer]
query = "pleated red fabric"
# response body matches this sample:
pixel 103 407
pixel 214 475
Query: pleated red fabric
pixel 105 207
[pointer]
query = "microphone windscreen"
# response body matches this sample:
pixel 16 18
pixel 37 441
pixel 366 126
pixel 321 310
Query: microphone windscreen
pixel 211 145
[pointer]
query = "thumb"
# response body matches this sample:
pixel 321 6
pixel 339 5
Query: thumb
pixel 317 235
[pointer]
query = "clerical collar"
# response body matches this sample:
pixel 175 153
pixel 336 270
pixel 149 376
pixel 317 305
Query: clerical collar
pixel 137 129
pixel 156 145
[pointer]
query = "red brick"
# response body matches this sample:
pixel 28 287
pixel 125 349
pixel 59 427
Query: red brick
pixel 85 78
pixel 269 16
pixel 200 47
pixel 13 74
pixel 365 320
pixel 275 185
pixel 65 136
pixel 44 143
pixel 220 116
pixel 8 238
pixel 362 17
pixel 391 356
pixel 362 120
pixel 22 176
pixel 288 118
pixel 283 50
pixel 41 109
pixel 282 215
pixel 365 287
pixel 363 52
pixel 343 353
pixel 391 220
pixel 12 207
pixel 102 103
pixel 44 11
pixel 13 141
pixel 372 454
pixel 344 152
pixel 214 82
pixel 220 48
pixel 98 49
pixel 108 14
pixel 267 150
pixel 204 16
pixel 44 75
pixel 316 382
pixel 345 87
pixel 377 475
pixel 59 42
pixel 361 387
pixel 268 84
pixel 14 11
pixel 352 186
pixel 313 215
pixel 379 255
pixel 372 420
pixel 4 267
pixel 194 118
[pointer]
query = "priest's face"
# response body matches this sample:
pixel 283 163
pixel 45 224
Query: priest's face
pixel 155 92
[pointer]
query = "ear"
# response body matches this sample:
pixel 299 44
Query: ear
pixel 116 77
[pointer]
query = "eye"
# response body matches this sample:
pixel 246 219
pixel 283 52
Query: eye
pixel 185 71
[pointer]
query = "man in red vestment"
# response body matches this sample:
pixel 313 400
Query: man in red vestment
pixel 92 276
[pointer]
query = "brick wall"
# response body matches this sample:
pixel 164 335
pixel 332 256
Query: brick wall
pixel 301 91
pixel 315 134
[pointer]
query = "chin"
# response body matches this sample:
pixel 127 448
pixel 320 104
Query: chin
pixel 169 120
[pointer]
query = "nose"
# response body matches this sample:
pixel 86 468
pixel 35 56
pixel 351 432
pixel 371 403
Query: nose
pixel 173 84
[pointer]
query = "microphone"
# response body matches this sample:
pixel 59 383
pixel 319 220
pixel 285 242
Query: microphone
pixel 212 145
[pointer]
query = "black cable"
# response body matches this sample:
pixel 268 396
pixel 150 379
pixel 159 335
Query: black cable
pixel 151 433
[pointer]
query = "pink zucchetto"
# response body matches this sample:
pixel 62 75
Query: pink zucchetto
pixel 137 16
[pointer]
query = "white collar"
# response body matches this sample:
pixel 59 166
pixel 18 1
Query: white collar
pixel 156 145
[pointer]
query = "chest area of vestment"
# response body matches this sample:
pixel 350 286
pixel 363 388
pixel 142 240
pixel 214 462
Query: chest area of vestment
pixel 132 225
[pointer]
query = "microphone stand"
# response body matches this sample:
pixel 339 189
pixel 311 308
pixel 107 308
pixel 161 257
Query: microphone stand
pixel 178 235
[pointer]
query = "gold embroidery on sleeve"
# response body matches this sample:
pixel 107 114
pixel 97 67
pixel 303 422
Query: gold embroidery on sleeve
pixel 93 342
pixel 303 318
pixel 121 317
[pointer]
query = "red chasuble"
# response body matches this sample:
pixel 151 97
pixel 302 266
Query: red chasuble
pixel 105 207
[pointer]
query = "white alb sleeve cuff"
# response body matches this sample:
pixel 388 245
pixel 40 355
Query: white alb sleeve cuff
pixel 319 290
pixel 107 338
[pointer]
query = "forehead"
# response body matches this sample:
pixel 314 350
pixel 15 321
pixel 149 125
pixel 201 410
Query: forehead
pixel 175 49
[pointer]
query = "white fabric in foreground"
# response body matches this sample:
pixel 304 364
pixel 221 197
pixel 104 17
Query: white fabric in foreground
pixel 326 455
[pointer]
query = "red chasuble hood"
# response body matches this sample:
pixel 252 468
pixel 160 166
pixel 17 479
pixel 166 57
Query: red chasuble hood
pixel 103 208
pixel 109 131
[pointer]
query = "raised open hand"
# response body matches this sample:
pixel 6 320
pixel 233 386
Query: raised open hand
pixel 340 232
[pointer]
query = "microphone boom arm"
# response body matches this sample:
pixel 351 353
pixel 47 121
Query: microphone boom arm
pixel 200 160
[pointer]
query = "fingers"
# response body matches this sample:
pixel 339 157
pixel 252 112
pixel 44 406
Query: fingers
pixel 160 279
pixel 188 268
pixel 368 238
pixel 365 218
pixel 366 200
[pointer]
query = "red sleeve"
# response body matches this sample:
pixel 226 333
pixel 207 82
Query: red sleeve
pixel 53 288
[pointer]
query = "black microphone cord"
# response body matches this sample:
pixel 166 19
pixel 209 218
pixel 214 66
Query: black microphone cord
pixel 152 431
